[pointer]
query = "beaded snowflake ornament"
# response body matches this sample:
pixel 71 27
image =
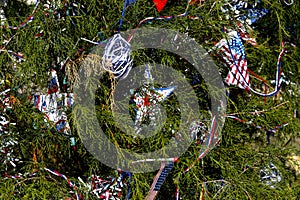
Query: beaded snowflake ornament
pixel 270 175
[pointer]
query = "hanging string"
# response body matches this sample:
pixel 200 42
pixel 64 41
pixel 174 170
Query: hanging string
pixel 103 188
pixel 27 20
pixel 19 176
pixel 213 127
pixel 168 163
pixel 279 62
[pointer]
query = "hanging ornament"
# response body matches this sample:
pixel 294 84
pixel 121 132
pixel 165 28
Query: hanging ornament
pixel 146 100
pixel 117 57
pixel 233 53
pixel 54 103
pixel 270 175
pixel 243 11
pixel 160 4
pixel 198 132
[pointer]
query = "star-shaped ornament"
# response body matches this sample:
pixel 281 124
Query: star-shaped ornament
pixel 146 100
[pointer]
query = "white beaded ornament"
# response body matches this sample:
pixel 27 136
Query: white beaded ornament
pixel 116 58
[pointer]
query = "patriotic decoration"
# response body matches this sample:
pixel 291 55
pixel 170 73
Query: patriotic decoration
pixel 252 15
pixel 233 53
pixel 146 100
pixel 53 104
pixel 160 4
pixel 116 58
pixel 163 176
pixel 231 49
pixel 108 188
pixel 103 188
pixel 243 12
pixel 24 23
pixel 269 132
pixel 270 175
pixel 212 139
pixel 198 132
pixel 8 143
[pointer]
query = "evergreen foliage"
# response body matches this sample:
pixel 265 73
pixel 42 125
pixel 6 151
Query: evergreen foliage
pixel 230 171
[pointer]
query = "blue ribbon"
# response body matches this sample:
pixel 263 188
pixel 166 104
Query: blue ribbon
pixel 126 3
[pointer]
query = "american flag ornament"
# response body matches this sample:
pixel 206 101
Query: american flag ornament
pixel 232 51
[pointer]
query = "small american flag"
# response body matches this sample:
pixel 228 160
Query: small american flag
pixel 232 51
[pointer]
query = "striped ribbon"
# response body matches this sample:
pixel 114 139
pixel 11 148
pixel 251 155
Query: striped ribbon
pixel 256 126
pixel 236 72
pixel 16 56
pixel 150 19
pixel 106 185
pixel 56 173
pixel 213 134
pixel 27 20
pixel 71 184
pixel 19 176
pixel 213 127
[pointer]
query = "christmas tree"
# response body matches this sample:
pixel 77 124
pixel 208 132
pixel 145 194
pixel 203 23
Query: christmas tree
pixel 59 57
